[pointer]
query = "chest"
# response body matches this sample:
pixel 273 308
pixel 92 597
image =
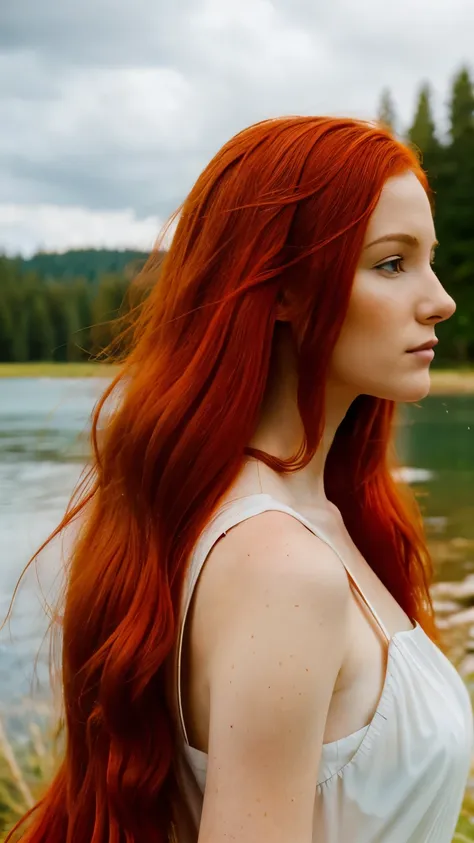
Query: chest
pixel 365 666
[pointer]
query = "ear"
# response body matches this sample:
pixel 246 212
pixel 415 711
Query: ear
pixel 283 307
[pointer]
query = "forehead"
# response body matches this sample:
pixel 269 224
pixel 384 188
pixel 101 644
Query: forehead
pixel 403 207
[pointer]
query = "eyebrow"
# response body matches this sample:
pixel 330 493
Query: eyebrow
pixel 398 238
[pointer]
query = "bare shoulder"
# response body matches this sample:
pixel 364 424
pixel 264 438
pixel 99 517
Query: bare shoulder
pixel 275 556
pixel 273 615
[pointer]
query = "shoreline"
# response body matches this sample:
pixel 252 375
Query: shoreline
pixel 452 382
pixel 57 370
pixel 443 381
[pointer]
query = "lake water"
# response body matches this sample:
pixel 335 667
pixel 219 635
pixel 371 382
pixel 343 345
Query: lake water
pixel 41 452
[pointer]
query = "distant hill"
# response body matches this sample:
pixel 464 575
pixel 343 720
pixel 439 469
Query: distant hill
pixel 85 263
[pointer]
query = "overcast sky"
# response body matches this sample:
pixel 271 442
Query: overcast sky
pixel 109 109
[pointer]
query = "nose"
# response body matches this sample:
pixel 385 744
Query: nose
pixel 438 305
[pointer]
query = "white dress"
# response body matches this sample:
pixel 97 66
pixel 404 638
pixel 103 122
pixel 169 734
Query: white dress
pixel 402 778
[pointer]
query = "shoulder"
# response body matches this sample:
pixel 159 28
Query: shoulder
pixel 273 625
pixel 269 568
pixel 274 546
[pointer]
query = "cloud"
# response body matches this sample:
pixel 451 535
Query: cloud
pixel 26 228
pixel 107 105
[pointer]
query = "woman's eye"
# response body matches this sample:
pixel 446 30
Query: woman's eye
pixel 393 266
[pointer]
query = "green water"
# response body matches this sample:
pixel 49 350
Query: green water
pixel 438 436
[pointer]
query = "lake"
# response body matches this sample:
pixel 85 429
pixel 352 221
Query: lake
pixel 43 423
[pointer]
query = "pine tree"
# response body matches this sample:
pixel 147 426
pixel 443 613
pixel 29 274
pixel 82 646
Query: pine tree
pixel 57 294
pixel 6 327
pixel 422 133
pixel 80 299
pixel 386 114
pixel 462 110
pixel 106 309
pixel 455 219
pixel 14 288
pixel 40 329
pixel 461 188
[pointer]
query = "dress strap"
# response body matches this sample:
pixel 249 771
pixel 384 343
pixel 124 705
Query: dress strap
pixel 321 535
pixel 233 512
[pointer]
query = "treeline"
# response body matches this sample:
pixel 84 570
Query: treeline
pixel 55 316
pixel 62 306
pixel 89 264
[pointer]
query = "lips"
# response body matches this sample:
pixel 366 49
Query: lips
pixel 425 347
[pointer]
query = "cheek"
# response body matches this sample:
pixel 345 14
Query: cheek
pixel 372 316
pixel 373 331
pixel 367 357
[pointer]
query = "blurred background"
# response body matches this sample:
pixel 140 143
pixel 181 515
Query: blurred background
pixel 109 111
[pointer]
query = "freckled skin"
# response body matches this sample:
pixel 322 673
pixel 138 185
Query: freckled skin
pixel 389 311
pixel 266 713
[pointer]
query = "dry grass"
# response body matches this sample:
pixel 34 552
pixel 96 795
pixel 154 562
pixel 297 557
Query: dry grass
pixel 443 381
pixel 56 370
pixel 452 382
pixel 465 828
pixel 26 768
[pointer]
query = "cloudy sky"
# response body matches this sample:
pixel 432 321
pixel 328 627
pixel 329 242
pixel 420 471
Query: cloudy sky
pixel 109 109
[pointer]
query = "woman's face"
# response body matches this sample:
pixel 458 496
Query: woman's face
pixel 396 300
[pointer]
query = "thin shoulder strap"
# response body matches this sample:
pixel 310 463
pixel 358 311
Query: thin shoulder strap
pixel 232 513
pixel 353 580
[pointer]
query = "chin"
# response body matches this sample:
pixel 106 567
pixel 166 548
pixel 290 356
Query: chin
pixel 417 389
pixel 405 391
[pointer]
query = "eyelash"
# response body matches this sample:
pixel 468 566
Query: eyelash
pixel 397 260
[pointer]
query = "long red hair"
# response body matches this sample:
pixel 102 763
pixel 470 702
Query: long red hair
pixel 279 213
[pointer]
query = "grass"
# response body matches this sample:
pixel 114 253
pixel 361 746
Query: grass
pixel 56 370
pixel 465 826
pixel 452 381
pixel 25 770
pixel 443 381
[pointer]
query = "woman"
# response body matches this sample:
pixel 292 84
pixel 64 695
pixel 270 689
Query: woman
pixel 249 648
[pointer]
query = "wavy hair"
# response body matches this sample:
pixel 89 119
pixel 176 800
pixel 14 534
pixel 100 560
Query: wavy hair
pixel 279 214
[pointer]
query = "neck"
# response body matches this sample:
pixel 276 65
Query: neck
pixel 280 430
